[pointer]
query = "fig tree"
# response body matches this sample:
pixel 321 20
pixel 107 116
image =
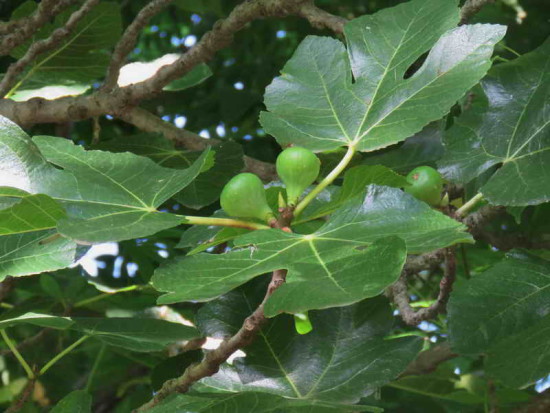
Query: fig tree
pixel 298 168
pixel 425 184
pixel 244 197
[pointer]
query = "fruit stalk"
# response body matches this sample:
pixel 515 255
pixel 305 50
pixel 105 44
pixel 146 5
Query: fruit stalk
pixel 221 222
pixel 344 162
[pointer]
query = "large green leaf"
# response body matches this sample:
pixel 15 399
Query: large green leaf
pixel 344 358
pixel 227 162
pixel 356 180
pixel 503 312
pixel 511 296
pixel 24 231
pixel 250 403
pixel 522 359
pixel 348 254
pixel 329 96
pixel 135 334
pixel 107 196
pixel 512 131
pixel 80 56
pixel 78 401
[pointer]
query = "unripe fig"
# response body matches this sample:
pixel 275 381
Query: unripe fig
pixel 298 168
pixel 244 197
pixel 302 323
pixel 426 185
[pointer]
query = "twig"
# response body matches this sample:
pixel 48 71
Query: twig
pixel 28 341
pixel 129 39
pixel 18 31
pixel 212 361
pixel 429 360
pixel 44 45
pixel 470 8
pixel 400 295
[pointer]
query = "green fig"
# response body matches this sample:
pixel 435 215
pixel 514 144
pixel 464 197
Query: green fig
pixel 302 323
pixel 425 184
pixel 244 197
pixel 298 168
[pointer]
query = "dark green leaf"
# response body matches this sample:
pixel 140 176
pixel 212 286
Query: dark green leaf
pixel 196 76
pixel 513 130
pixel 316 104
pixel 78 401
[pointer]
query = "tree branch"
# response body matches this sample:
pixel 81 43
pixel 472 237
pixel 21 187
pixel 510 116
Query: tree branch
pixel 428 361
pixel 16 32
pixel 129 39
pixel 44 45
pixel 400 295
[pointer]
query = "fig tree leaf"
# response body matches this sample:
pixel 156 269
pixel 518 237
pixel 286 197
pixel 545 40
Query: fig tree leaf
pixel 502 302
pixel 28 243
pixel 344 358
pixel 107 196
pixel 251 402
pixel 80 56
pixel 78 401
pixel 522 359
pixel 354 233
pixel 196 76
pixel 356 180
pixel 330 96
pixel 512 131
pixel 135 334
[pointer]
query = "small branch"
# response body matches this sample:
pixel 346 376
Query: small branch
pixel 212 361
pixel 470 8
pixel 321 19
pixel 18 31
pixel 464 209
pixel 428 361
pixel 400 295
pixel 44 45
pixel 129 40
pixel 28 341
pixel 222 222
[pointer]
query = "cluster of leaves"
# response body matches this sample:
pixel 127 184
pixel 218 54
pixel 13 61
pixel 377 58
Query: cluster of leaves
pixel 347 246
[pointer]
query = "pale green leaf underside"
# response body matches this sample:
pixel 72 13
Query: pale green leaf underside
pixel 328 256
pixel 146 334
pixel 500 304
pixel 107 196
pixel 24 231
pixel 513 130
pixel 315 103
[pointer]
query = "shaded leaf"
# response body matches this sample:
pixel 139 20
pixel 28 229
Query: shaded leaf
pixel 512 131
pixel 196 76
pixel 315 103
pixel 27 236
pixel 344 358
pixel 78 401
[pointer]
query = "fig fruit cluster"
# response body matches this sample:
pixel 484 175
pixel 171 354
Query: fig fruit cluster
pixel 244 195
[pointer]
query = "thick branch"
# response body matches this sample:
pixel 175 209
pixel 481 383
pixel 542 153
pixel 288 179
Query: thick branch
pixel 59 110
pixel 400 295
pixel 129 39
pixel 429 360
pixel 148 122
pixel 42 46
pixel 18 31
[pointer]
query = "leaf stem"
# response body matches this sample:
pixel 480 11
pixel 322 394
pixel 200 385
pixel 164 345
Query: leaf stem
pixel 326 181
pixel 17 354
pixel 95 298
pixel 62 354
pixel 222 222
pixel 463 210
pixel 95 367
